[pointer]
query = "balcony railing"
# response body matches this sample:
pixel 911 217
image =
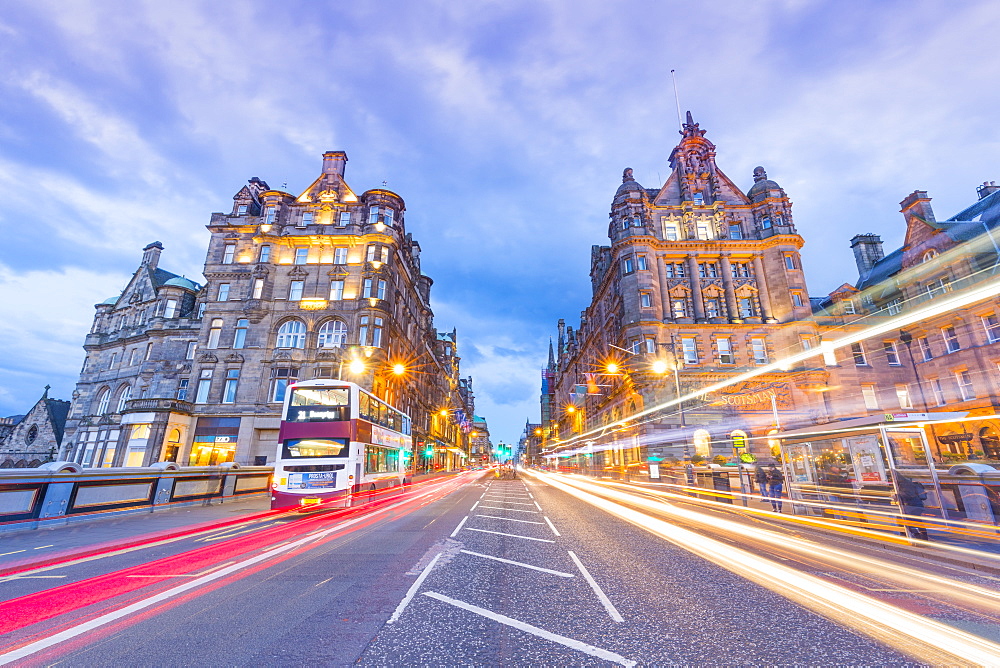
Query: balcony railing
pixel 155 405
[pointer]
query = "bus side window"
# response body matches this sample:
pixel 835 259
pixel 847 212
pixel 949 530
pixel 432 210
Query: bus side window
pixel 363 406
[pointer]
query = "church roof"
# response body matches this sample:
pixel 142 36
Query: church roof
pixel 58 412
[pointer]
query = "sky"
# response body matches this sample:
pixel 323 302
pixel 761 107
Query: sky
pixel 505 125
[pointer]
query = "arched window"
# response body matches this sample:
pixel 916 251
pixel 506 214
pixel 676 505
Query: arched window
pixel 929 255
pixel 702 443
pixel 292 334
pixel 124 394
pixel 103 401
pixel 332 334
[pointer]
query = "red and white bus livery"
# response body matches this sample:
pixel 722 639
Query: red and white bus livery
pixel 337 438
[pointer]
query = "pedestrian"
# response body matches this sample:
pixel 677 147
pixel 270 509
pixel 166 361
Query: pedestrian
pixel 775 483
pixel 760 475
pixel 910 495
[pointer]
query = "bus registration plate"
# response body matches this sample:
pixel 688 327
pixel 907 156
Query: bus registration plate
pixel 319 480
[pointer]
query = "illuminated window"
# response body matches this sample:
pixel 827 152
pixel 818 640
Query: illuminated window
pixel 725 348
pixel 240 338
pixel 292 334
pixel 891 354
pixel 640 262
pixel 228 253
pixel 964 381
pixel 950 339
pixel 265 253
pixel 229 389
pixel 645 300
pixel 859 355
pixel 214 333
pixel 992 326
pixel 937 391
pixel 689 348
pixel 340 255
pixel 204 385
pixel 258 288
pixel 336 290
pixel 301 255
pixel 295 290
pixel 759 348
pixel 378 253
pixel 345 218
pixel 223 292
pixel 735 231
pixel 925 348
pixel 332 334
pixel 870 397
pixel 903 395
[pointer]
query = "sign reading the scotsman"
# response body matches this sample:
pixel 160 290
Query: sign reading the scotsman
pixel 753 396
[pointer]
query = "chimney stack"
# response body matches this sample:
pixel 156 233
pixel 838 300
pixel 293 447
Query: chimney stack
pixel 334 162
pixel 151 255
pixel 987 189
pixel 917 204
pixel 867 251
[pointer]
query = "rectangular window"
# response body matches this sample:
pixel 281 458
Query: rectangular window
pixel 735 231
pixel 295 290
pixel 759 348
pixel 670 232
pixel 372 215
pixel 859 355
pixel 204 385
pixel 307 219
pixel 938 287
pixel 281 378
pixel 170 309
pixel 149 351
pixel 703 232
pixel 377 333
pixel 805 342
pixel 182 389
pixel 891 354
pixel 114 358
pixel 712 308
pixel 345 218
pixel 645 300
pixel 796 299
pixel 937 391
pixel 903 395
pixel 849 306
pixel 789 262
pixel 229 254
pixel 765 223
pixel 678 308
pixel 270 213
pixel 241 210
pixel 894 307
pixel 871 398
pixel 950 339
pixel 992 326
pixel 366 288
pixel 725 351
pixel 388 217
pixel 240 338
pixel 229 390
pixel 746 307
pixel 965 385
pixel 265 253
pixel 301 255
pixel 223 292
pixel 336 290
pixel 381 289
pixel 133 357
pixel 925 348
pixel 689 347
pixel 191 348
pixel 340 255
pixel 258 288
pixel 650 344
pixel 214 334
pixel 627 267
pixel 699 199
pixel 640 263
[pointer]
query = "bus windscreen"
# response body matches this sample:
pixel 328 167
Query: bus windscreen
pixel 319 404
pixel 297 448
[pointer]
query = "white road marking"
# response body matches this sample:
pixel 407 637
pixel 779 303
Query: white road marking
pixel 612 610
pixel 512 535
pixel 30 577
pixel 534 630
pixel 518 563
pixel 459 527
pixel 515 503
pixel 536 505
pixel 42 547
pixel 509 519
pixel 474 506
pixel 14 552
pixel 411 592
pixel 513 510
pixel 551 525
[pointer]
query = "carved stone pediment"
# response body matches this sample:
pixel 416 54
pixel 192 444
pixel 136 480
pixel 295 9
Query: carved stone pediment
pixel 282 356
pixel 339 270
pixel 235 358
pixel 208 358
pixel 260 271
pixel 328 355
pixel 298 271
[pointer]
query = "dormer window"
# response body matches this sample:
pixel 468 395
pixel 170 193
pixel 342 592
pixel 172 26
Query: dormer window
pixel 735 232
pixel 241 210
pixel 307 219
pixel 929 255
pixel 765 223
pixel 670 231
pixel 345 219
pixel 269 215
pixel 699 199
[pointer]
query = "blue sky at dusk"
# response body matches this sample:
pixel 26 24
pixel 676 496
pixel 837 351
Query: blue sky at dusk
pixel 505 126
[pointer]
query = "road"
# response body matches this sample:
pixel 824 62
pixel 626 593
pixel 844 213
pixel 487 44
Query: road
pixel 467 570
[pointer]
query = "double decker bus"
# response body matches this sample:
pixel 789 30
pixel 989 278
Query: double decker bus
pixel 336 439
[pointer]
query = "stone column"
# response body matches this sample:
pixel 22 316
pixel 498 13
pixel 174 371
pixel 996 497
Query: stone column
pixel 664 288
pixel 762 293
pixel 695 281
pixel 727 284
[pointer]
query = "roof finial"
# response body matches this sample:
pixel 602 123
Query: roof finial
pixel 627 175
pixel 45 395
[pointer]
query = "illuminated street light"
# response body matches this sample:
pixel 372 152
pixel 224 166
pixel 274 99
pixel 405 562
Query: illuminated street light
pixel 444 413
pixel 660 366
pixel 398 369
pixel 571 409
pixel 612 367
pixel 356 367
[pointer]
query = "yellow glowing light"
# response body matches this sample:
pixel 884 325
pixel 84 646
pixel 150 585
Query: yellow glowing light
pixel 376 264
pixel 571 409
pixel 444 413
pixel 372 301
pixel 356 367
pixel 398 369
pixel 313 304
pixel 265 228
pixel 612 367
pixel 380 226
pixel 473 434
pixel 350 295
pixel 659 366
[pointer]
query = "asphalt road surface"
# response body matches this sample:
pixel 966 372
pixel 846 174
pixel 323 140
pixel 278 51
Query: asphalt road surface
pixel 469 570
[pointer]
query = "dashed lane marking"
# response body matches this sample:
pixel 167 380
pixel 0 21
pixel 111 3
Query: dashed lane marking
pixel 607 655
pixel 605 601
pixel 551 525
pixel 519 563
pixel 459 527
pixel 512 535
pixel 536 505
pixel 413 589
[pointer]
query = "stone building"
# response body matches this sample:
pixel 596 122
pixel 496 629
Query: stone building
pixel 701 281
pixel 34 438
pixel 324 284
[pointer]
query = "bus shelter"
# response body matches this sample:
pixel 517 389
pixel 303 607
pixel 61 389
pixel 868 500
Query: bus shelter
pixel 866 468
